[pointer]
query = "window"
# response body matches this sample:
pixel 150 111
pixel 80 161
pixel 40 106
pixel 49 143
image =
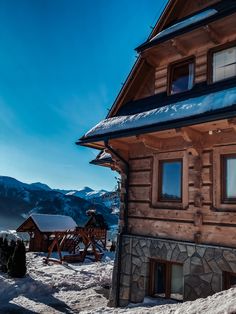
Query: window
pixel 224 64
pixel 166 280
pixel 181 77
pixel 170 180
pixel 229 280
pixel 228 166
pixel 224 178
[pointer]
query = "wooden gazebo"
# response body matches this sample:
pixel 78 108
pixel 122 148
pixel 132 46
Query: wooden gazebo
pixel 41 227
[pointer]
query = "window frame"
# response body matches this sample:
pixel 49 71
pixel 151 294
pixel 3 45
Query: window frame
pixel 224 198
pixel 210 56
pixel 160 180
pixel 171 68
pixel 170 204
pixel 219 203
pixel 226 280
pixel 168 265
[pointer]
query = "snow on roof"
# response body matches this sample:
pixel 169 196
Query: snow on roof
pixel 51 223
pixel 187 22
pixel 183 109
pixel 104 155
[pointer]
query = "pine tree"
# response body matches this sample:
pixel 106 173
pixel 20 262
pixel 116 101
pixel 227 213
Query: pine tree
pixel 17 262
pixel 4 255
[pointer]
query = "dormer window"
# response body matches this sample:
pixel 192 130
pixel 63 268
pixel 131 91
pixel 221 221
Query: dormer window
pixel 181 77
pixel 224 64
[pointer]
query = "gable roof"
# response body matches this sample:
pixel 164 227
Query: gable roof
pixel 50 223
pixel 189 23
pixel 169 13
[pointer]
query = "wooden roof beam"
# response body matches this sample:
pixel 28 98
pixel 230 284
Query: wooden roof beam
pixel 232 123
pixel 192 137
pixel 212 34
pixel 179 47
pixel 150 141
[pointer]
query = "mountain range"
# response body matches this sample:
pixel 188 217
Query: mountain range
pixel 18 200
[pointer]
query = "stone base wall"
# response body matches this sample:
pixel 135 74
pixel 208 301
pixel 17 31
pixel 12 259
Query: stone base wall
pixel 203 267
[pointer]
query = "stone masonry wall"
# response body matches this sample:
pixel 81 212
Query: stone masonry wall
pixel 202 266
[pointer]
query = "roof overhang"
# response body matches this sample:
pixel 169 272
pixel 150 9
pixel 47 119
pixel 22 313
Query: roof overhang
pixel 206 108
pixel 227 11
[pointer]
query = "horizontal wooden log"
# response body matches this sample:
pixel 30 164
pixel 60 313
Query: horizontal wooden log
pixel 200 78
pixel 139 193
pixel 206 175
pixel 140 178
pixel 215 235
pixel 161 83
pixel 145 210
pixel 209 216
pixel 160 89
pixel 169 230
pixel 218 235
pixel 207 158
pixel 207 193
pixel 141 164
pixel 214 217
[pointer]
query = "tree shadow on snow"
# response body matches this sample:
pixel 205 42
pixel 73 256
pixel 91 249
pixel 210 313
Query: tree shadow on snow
pixel 15 309
pixel 30 289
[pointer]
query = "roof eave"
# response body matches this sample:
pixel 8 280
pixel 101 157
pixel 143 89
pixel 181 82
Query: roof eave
pixel 202 118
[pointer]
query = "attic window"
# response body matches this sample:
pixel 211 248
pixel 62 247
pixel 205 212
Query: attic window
pixel 181 77
pixel 224 64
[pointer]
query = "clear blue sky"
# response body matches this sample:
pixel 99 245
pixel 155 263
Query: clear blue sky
pixel 62 63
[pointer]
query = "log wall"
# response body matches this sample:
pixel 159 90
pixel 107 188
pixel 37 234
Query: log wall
pixel 200 222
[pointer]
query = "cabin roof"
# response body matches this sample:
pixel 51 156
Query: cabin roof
pixel 50 223
pixel 207 107
pixel 187 24
pixel 102 158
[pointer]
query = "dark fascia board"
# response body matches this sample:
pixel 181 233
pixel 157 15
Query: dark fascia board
pixel 202 118
pixel 231 9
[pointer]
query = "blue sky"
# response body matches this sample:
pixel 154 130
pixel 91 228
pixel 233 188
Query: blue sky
pixel 62 63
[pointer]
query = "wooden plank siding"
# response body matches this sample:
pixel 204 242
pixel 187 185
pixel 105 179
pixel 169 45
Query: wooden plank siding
pixel 214 227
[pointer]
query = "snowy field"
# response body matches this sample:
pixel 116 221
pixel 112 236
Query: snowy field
pixel 77 288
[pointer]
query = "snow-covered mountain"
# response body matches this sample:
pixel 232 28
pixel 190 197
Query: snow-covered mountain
pixel 87 193
pixel 109 199
pixel 18 200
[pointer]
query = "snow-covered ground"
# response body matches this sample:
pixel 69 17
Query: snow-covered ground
pixel 82 288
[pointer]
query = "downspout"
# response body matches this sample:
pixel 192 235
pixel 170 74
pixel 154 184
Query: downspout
pixel 124 230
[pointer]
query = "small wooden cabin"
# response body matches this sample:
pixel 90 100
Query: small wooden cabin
pixel 172 136
pixel 41 227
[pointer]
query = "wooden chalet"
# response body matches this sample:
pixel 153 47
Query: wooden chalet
pixel 42 229
pixel 171 134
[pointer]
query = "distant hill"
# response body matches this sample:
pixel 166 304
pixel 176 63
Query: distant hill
pixel 18 200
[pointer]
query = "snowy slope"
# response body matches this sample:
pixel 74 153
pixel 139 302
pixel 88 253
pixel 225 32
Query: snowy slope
pixel 82 288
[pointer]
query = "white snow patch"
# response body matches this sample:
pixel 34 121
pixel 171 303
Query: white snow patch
pixel 48 223
pixel 81 288
pixel 180 110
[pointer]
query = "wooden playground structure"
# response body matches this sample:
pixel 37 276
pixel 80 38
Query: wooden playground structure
pixel 80 243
